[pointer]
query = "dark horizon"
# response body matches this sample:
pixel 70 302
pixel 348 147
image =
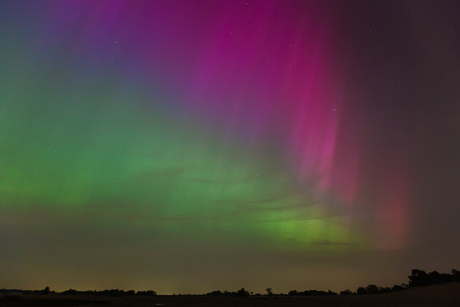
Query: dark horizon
pixel 418 278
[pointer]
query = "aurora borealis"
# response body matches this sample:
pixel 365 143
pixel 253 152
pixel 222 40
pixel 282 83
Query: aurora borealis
pixel 189 146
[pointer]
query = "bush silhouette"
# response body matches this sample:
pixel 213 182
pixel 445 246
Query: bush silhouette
pixel 242 293
pixel 372 289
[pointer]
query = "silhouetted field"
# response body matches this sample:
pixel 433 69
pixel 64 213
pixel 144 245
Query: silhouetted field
pixel 436 295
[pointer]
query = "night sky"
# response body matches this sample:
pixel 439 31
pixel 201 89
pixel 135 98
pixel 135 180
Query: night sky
pixel 187 146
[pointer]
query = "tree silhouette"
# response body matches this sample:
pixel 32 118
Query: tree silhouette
pixel 371 289
pixel 455 275
pixel 418 278
pixel 242 293
pixel 46 290
pixel 269 291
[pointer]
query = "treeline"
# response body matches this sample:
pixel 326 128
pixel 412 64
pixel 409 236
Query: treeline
pixel 418 278
pixel 310 293
pixel 112 292
pixel 244 293
pixel 240 293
